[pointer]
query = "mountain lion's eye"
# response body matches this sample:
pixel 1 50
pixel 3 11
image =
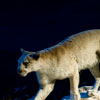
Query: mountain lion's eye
pixel 25 63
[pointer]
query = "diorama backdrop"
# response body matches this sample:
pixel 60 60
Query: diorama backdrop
pixel 33 26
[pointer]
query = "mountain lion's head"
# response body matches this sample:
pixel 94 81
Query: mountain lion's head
pixel 28 62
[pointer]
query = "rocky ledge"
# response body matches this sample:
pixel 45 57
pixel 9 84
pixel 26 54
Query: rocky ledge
pixel 84 94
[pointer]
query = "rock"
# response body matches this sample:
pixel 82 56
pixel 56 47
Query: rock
pixel 84 94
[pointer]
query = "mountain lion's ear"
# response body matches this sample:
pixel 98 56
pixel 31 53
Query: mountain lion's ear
pixel 36 56
pixel 22 50
pixel 27 52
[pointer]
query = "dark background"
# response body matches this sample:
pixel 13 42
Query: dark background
pixel 35 25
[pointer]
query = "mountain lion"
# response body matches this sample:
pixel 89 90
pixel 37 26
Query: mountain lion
pixel 64 60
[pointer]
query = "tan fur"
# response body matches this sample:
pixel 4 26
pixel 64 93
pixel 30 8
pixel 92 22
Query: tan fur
pixel 65 60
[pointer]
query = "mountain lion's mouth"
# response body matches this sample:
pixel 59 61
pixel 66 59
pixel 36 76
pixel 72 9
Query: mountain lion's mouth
pixel 23 73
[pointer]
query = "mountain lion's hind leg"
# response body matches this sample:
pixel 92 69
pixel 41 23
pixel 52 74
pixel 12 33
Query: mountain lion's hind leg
pixel 96 72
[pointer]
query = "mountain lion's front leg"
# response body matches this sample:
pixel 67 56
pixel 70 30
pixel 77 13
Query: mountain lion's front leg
pixel 74 82
pixel 43 93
